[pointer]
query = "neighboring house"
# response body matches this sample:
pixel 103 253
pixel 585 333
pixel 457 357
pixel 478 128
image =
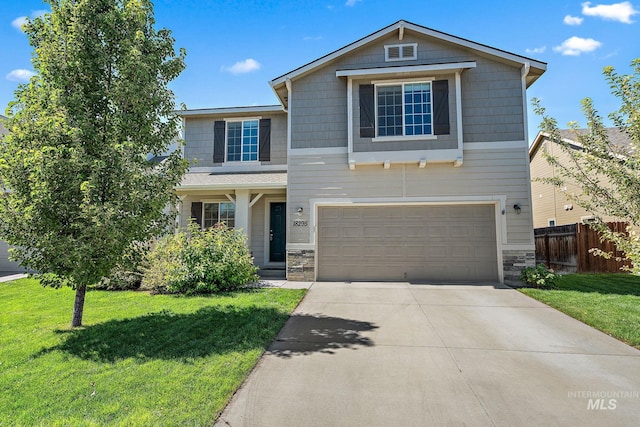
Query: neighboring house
pixel 552 205
pixel 399 157
pixel 5 264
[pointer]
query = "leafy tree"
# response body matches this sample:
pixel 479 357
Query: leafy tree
pixel 609 174
pixel 78 189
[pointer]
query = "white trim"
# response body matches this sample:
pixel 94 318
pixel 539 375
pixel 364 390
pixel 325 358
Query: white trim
pixel 395 82
pixel 318 151
pixel 300 246
pixel 350 128
pixel 255 199
pixel 407 156
pixel 230 197
pixel 459 128
pixel 241 119
pixel 397 71
pixel 229 167
pixel 499 202
pixel 519 247
pixel 227 186
pixel 495 145
pixel 555 223
pixel 400 138
pixel 267 224
pixel 231 110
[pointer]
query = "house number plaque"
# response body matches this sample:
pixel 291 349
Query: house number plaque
pixel 300 223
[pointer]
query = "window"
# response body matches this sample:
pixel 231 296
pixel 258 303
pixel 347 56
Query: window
pixel 242 141
pixel 404 109
pixel 400 52
pixel 552 222
pixel 214 213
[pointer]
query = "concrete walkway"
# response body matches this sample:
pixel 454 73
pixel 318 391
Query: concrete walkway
pixel 372 354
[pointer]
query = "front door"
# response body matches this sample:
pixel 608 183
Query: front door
pixel 277 232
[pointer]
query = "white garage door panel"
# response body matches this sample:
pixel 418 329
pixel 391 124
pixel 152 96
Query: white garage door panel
pixel 414 243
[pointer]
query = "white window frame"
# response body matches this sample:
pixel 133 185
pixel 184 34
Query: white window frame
pixel 400 57
pixel 402 83
pixel 241 120
pixel 217 202
pixel 550 220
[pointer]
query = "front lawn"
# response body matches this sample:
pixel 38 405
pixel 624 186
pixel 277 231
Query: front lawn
pixel 139 359
pixel 608 302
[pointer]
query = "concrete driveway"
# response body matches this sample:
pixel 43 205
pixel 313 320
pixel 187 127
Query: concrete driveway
pixel 395 354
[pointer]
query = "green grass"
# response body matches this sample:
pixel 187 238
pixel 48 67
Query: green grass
pixel 608 302
pixel 139 359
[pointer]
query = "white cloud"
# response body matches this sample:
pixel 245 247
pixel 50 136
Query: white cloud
pixel 242 67
pixel 540 49
pixel 20 75
pixel 575 46
pixel 572 20
pixel 19 22
pixel 621 12
pixel 351 3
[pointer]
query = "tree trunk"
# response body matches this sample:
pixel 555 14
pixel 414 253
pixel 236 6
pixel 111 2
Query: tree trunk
pixel 78 306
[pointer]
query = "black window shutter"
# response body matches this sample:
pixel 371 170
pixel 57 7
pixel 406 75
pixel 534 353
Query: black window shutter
pixel 196 213
pixel 265 140
pixel 367 112
pixel 441 107
pixel 218 141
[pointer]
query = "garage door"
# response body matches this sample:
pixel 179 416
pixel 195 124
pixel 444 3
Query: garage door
pixel 414 243
pixel 5 264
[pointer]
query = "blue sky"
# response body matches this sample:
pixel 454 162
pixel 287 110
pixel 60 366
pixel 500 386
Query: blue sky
pixel 234 48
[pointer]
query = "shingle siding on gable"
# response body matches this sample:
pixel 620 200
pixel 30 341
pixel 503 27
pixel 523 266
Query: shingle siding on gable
pixel 492 108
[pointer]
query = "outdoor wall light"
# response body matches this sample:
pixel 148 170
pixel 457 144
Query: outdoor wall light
pixel 300 210
pixel 517 208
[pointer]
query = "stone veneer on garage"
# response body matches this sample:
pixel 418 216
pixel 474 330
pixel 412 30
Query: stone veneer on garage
pixel 301 265
pixel 513 262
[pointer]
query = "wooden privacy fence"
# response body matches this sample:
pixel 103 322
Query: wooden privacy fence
pixel 565 248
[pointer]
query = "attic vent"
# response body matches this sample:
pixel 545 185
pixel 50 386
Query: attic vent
pixel 400 52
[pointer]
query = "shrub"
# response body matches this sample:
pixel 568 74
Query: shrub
pixel 200 262
pixel 127 274
pixel 539 277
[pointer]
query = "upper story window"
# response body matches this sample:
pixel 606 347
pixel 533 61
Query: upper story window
pixel 242 140
pixel 404 109
pixel 401 52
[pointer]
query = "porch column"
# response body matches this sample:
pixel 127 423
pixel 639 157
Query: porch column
pixel 243 217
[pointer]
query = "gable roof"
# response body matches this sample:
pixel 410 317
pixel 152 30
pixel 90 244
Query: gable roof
pixel 535 68
pixel 617 138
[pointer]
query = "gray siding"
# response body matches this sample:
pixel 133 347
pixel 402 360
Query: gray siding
pixel 492 107
pixel 318 109
pixel 484 172
pixel 199 140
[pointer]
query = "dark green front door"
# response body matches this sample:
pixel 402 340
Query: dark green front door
pixel 277 232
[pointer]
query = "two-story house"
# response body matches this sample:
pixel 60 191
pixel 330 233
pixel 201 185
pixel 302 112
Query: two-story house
pixel 399 157
pixel 556 206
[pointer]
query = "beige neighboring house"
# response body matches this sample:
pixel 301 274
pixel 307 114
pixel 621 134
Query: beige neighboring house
pixel 6 266
pixel 552 205
pixel 402 156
